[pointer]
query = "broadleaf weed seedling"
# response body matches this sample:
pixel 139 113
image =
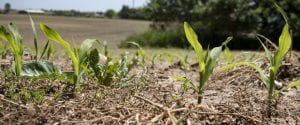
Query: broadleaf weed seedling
pixel 109 72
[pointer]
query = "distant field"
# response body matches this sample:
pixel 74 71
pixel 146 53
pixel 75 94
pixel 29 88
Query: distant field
pixel 77 29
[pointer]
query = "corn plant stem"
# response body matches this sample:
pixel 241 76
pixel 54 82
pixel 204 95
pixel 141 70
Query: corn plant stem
pixel 270 92
pixel 271 87
pixel 200 88
pixel 75 81
pixel 18 64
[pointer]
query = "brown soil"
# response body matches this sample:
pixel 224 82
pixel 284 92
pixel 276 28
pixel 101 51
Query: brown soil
pixel 153 96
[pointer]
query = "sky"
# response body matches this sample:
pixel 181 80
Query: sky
pixel 82 5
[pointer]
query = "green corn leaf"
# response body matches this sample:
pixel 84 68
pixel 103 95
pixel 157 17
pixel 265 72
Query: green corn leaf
pixel 135 44
pixel 54 36
pixel 293 84
pixel 284 15
pixel 5 35
pixel 45 49
pixel 17 38
pixel 35 37
pixel 267 51
pixel 206 55
pixel 211 63
pixel 49 51
pixel 39 69
pixel 285 42
pixel 263 77
pixel 15 41
pixel 1 47
pixel 193 40
pixel 76 53
pixel 8 38
pixel 141 51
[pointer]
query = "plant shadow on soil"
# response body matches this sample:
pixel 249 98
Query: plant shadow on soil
pixel 153 97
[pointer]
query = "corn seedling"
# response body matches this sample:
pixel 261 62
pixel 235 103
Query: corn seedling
pixel 14 39
pixel 186 84
pixel 35 38
pixel 140 54
pixel 206 62
pixel 171 58
pixel 48 48
pixel 275 59
pixel 184 63
pixel 79 56
pixel 47 51
pixel 153 58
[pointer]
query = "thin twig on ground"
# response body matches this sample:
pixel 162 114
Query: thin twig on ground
pixel 11 102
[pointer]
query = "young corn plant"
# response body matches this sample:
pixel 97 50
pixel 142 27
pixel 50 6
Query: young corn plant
pixel 186 84
pixel 140 55
pixel 47 51
pixel 32 69
pixel 79 56
pixel 275 59
pixel 207 61
pixel 48 48
pixel 14 39
pixel 153 59
pixel 35 38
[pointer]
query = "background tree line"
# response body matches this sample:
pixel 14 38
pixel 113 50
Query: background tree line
pixel 214 20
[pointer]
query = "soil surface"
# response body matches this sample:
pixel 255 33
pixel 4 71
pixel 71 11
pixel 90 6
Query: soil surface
pixel 153 96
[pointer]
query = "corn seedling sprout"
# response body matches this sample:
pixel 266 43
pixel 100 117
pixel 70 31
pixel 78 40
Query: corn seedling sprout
pixel 206 62
pixel 275 59
pixel 79 56
pixel 140 54
pixel 35 38
pixel 14 39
